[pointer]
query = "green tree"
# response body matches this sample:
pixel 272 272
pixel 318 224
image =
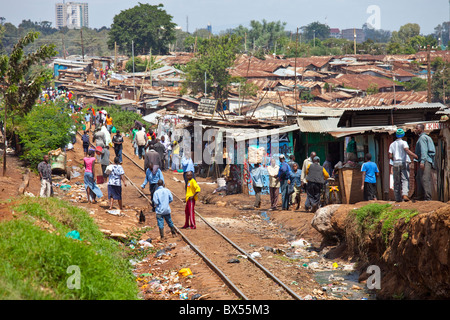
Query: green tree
pixel 150 27
pixel 213 59
pixel 440 84
pixel 140 65
pixel 317 30
pixel 43 129
pixel 19 87
pixel 416 84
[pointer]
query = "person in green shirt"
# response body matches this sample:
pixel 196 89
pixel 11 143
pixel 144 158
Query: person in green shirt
pixel 351 148
pixel 134 131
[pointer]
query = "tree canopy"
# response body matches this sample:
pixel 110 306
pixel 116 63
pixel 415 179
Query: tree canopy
pixel 213 58
pixel 148 26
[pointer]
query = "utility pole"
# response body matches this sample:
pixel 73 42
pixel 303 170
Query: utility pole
pixel 354 40
pixel 429 72
pixel 295 71
pixel 115 56
pixel 82 45
pixel 64 47
pixel 132 53
pixel 205 84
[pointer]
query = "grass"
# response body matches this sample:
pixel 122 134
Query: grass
pixel 371 215
pixel 36 255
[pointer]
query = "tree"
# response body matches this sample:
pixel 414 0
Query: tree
pixel 150 27
pixel 440 84
pixel 317 30
pixel 213 58
pixel 19 89
pixel 263 35
pixel 140 65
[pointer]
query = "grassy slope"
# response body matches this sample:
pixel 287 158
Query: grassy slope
pixel 35 255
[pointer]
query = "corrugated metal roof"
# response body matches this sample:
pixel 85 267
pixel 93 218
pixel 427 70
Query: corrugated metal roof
pixel 404 107
pixel 317 125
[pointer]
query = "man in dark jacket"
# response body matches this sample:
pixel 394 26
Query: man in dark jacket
pixel 315 177
pixel 159 147
pixel 151 156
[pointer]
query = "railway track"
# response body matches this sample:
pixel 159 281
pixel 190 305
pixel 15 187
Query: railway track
pixel 249 266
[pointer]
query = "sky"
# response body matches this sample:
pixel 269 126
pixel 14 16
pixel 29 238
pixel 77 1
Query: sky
pixel 223 14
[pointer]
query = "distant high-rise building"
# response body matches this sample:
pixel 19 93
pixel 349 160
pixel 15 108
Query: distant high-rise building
pixel 73 15
pixel 209 28
pixel 349 34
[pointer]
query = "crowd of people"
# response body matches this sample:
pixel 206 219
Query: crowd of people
pixel 156 153
pixel 286 177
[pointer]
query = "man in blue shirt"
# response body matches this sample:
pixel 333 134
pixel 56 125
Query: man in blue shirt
pixel 283 176
pixel 295 179
pixel 256 175
pixel 162 198
pixel 425 151
pixel 152 176
pixel 187 165
pixel 370 173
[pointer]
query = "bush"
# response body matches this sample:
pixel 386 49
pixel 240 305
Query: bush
pixel 46 127
pixel 123 120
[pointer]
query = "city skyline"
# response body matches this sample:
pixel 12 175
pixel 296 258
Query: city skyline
pixel 222 15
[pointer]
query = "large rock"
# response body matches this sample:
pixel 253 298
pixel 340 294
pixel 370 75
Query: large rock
pixel 322 221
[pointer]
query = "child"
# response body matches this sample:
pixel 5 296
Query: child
pixel 370 173
pixel 85 139
pixel 162 198
pixel 192 190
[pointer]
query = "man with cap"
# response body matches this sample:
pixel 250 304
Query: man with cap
pixel 399 155
pixel 305 165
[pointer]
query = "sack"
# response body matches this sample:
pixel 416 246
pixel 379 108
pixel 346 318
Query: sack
pixel 113 130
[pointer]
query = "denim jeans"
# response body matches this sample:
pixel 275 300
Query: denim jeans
pixel 119 154
pixel 160 220
pixel 284 194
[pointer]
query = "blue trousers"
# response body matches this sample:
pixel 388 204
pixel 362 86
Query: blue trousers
pixel 284 194
pixel 160 220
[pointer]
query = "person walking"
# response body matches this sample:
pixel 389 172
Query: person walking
pixel 104 161
pixel 283 176
pixel 85 140
pixel 141 141
pixel 45 174
pixel 315 177
pixel 400 159
pixel 296 181
pixel 152 175
pixel 117 140
pixel 274 183
pixel 116 177
pixel 256 175
pixel 161 149
pixel 151 156
pixel 162 199
pixel 188 166
pixel 109 122
pixel 370 173
pixel 99 137
pixel 92 190
pixel 306 163
pixel 175 156
pixel 192 191
pixel 425 151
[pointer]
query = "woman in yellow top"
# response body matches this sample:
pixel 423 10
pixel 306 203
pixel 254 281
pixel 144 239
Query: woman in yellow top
pixel 315 178
pixel 192 191
pixel 109 122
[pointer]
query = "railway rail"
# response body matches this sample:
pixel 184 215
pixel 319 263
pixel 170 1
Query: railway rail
pixel 226 279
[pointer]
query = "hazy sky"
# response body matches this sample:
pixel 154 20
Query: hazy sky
pixel 223 14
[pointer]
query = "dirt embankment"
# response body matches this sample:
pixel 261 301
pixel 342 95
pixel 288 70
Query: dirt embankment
pixel 414 259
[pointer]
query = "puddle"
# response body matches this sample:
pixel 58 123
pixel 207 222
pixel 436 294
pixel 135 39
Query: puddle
pixel 339 283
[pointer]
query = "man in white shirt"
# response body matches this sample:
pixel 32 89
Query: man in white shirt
pixel 400 154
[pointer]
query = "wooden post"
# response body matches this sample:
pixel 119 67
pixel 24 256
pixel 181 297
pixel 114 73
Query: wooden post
pixel 429 72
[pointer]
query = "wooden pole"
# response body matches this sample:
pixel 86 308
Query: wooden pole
pixel 82 45
pixel 295 71
pixel 429 72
